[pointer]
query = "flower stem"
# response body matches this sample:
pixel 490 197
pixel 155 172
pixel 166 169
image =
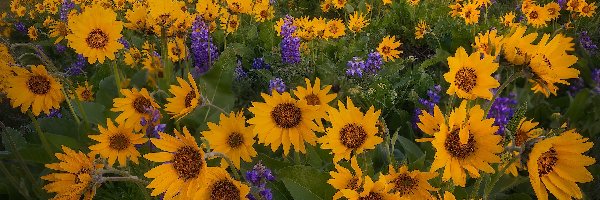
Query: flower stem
pixel 117 77
pixel 70 106
pixel 41 134
pixel 236 173
pixel 490 185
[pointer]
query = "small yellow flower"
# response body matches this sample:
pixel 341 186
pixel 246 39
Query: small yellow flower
pixel 334 29
pixel 553 10
pixel 470 76
pixel 388 48
pixel 177 50
pixel 357 22
pixel 537 16
pixel 339 4
pixel 84 92
pixel 117 142
pixel 32 32
pixel 588 10
pixel 470 12
pixel 508 19
pixel 421 29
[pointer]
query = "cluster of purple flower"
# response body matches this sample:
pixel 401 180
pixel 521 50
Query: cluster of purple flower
pixel 258 178
pixel 65 8
pixel 587 43
pixel 596 79
pixel 259 63
pixel 433 98
pixel 124 42
pixel 575 86
pixel 204 52
pixel 290 45
pixel 54 113
pixel 357 66
pixel 60 49
pixel 239 71
pixel 502 111
pixel 153 125
pixel 19 26
pixel 277 84
pixel 76 68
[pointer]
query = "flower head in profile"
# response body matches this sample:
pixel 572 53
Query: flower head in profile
pixel 489 43
pixel 371 190
pixel 73 178
pixel 470 75
pixel 187 98
pixel 95 37
pixel 557 164
pixel 388 48
pixel 342 178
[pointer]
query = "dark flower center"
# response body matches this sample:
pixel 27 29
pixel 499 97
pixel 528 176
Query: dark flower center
pixel 405 184
pixel 372 196
pixel 385 50
pixel 187 162
pixel 140 104
pixel 97 39
pixel 353 135
pixel 224 190
pixel 465 79
pixel 189 97
pixel 38 84
pixel 520 137
pixel 533 15
pixel 86 94
pixel 456 148
pixel 235 139
pixel 312 99
pixel 119 142
pixel 286 115
pixel 547 161
pixel 353 183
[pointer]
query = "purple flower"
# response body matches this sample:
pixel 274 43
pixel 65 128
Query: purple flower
pixel 65 8
pixel 259 63
pixel 258 178
pixel 277 84
pixel 561 3
pixel 587 43
pixel 355 67
pixel 575 86
pixel 60 49
pixel 290 45
pixel 76 68
pixel 374 62
pixel 433 98
pixel 54 113
pixel 502 110
pixel 152 124
pixel 239 71
pixel 266 194
pixel 124 42
pixel 204 52
pixel 21 27
pixel 596 79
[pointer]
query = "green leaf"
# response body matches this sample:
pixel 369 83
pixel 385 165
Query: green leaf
pixel 13 140
pixel 63 126
pixel 107 91
pixel 34 153
pixel 60 140
pixel 94 112
pixel 306 183
pixel 577 107
pixel 410 148
pixel 440 56
pixel 139 78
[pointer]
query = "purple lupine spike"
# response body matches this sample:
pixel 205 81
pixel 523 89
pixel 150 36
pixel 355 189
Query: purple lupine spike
pixel 277 84
pixel 433 98
pixel 502 111
pixel 587 43
pixel 65 8
pixel 19 26
pixel 575 86
pixel 124 42
pixel 259 63
pixel 204 52
pixel 60 49
pixel 356 66
pixel 258 178
pixel 290 45
pixel 374 62
pixel 596 79
pixel 76 68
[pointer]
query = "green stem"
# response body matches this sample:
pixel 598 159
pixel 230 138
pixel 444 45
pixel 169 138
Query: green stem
pixel 13 181
pixel 216 107
pixel 83 113
pixel 70 106
pixel 494 180
pixel 41 134
pixel 236 173
pixel 117 77
pixel 510 79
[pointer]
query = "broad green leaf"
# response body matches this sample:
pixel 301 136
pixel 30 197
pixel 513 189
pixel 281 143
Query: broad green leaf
pixel 12 139
pixel 410 148
pixel 60 140
pixel 94 112
pixel 107 91
pixel 306 183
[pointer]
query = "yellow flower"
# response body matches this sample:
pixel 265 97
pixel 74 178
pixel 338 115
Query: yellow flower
pixel 187 98
pixel 483 3
pixel 508 19
pixel 468 142
pixel 456 9
pixel 229 22
pixel 263 13
pixel 35 89
pixel 386 2
pixel 315 96
pixel 137 18
pixel 219 185
pixel 525 131
pixel 588 10
pixel 163 13
pixel 343 179
pixel 470 76
pixel 371 190
pixel 558 164
pixel 59 30
pixel 488 44
pixel 448 196
pixel 183 167
pixel 357 22
pixel 232 137
pixel 421 29
pixel 6 69
pixel 32 32
pixel 177 50
pixel 209 10
pixel 575 5
pixel 117 142
pixel 351 131
pixel 470 12
pixel 239 6
pixel 326 5
pixel 334 29
pixel 526 5
pixel 517 46
pixel 388 48
pixel 84 92
pixel 74 177
pixel 414 2
pixel 133 57
pixel 430 124
pixel 551 64
pixel 537 16
pixel 133 107
pixel 410 184
pixel 95 37
pixel 284 121
pixel 339 4
pixel 553 10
